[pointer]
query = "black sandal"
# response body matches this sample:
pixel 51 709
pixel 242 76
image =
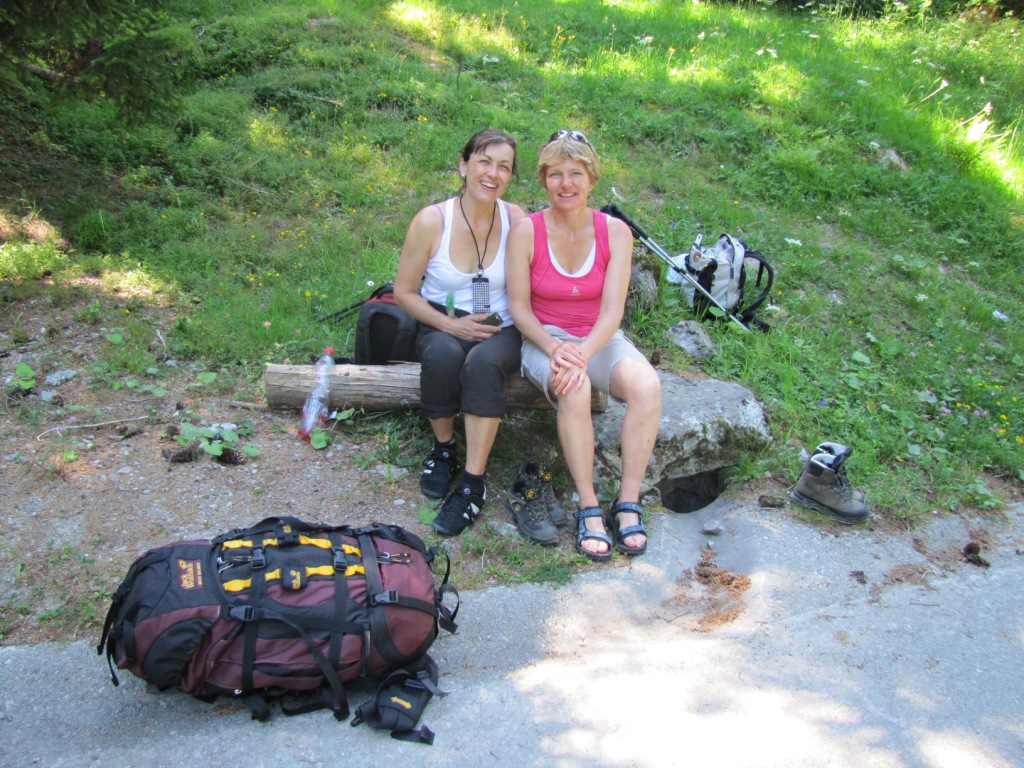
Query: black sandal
pixel 583 533
pixel 621 534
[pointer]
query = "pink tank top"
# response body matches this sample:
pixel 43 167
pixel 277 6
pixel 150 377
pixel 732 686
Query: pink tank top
pixel 570 302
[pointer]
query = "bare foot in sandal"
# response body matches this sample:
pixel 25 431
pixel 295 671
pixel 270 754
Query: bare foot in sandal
pixel 625 518
pixel 592 541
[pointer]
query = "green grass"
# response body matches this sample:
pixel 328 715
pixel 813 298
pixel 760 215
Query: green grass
pixel 283 187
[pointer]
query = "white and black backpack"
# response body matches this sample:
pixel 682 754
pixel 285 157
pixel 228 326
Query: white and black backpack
pixel 721 271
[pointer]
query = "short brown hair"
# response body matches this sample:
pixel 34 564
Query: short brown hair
pixel 565 147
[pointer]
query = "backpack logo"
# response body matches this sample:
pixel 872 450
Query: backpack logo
pixel 190 574
pixel 401 702
pixel 295 579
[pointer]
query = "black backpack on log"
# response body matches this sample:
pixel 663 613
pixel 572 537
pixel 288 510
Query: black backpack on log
pixel 385 333
pixel 278 608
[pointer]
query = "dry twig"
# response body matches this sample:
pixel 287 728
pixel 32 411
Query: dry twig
pixel 86 426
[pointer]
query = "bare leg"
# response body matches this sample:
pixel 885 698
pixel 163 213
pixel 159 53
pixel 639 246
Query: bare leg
pixel 636 383
pixel 576 434
pixel 480 435
pixel 444 429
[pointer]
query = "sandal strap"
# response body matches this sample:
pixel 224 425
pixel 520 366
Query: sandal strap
pixel 586 533
pixel 632 530
pixel 583 533
pixel 626 506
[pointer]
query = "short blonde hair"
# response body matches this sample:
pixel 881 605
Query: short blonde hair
pixel 565 147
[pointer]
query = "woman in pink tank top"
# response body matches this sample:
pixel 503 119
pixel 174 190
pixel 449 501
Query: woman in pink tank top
pixel 567 271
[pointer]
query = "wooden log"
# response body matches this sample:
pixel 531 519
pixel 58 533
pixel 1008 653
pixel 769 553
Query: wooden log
pixel 384 388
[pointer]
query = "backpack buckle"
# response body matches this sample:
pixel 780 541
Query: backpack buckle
pixel 259 559
pixel 244 613
pixel 385 598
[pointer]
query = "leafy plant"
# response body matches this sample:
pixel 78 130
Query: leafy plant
pixel 319 438
pixel 214 440
pixel 24 377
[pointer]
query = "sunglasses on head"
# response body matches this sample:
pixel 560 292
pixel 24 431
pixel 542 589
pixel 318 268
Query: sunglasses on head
pixel 579 136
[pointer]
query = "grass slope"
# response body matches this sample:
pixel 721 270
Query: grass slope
pixel 878 164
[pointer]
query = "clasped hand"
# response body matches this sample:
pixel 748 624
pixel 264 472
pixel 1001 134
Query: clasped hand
pixel 568 368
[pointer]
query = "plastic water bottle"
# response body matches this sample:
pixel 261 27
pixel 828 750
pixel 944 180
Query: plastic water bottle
pixel 315 409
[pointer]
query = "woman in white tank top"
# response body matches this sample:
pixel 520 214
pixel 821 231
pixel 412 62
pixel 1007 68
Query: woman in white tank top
pixel 451 278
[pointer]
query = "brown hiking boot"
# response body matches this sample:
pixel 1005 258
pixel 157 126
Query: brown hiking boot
pixel 820 486
pixel 835 449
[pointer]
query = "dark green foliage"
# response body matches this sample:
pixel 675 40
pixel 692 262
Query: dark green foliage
pixel 128 51
pixel 878 8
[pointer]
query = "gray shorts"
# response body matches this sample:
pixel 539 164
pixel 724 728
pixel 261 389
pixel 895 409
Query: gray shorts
pixel 536 365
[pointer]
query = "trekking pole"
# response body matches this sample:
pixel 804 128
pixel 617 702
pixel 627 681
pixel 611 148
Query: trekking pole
pixel 613 210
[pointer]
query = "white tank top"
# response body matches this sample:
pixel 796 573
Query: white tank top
pixel 442 277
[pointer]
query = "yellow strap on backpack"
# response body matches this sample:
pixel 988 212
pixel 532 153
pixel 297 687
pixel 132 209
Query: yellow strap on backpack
pixel 348 549
pixel 240 585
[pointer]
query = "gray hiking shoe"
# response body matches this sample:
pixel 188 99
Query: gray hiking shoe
pixel 836 449
pixel 541 476
pixel 821 488
pixel 528 510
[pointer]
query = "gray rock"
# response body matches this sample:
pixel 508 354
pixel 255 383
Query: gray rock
pixel 390 472
pixel 59 377
pixel 691 337
pixel 706 426
pixel 643 290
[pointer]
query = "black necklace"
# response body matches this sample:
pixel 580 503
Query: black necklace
pixel 479 257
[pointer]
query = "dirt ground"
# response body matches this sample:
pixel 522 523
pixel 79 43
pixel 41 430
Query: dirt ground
pixel 89 484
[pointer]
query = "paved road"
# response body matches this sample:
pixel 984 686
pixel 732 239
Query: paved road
pixel 849 648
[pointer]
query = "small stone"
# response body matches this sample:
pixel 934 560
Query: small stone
pixel 59 377
pixel 691 338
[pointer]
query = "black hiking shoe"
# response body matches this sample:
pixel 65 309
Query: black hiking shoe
pixel 459 510
pixel 439 468
pixel 556 511
pixel 541 476
pixel 528 510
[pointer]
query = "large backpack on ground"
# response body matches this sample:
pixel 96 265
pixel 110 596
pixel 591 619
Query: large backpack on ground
pixel 281 607
pixel 721 270
pixel 385 332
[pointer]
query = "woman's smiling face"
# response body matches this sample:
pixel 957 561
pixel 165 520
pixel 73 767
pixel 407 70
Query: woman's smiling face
pixel 568 183
pixel 489 170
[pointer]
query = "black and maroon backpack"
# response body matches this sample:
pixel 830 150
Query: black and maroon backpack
pixel 283 607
